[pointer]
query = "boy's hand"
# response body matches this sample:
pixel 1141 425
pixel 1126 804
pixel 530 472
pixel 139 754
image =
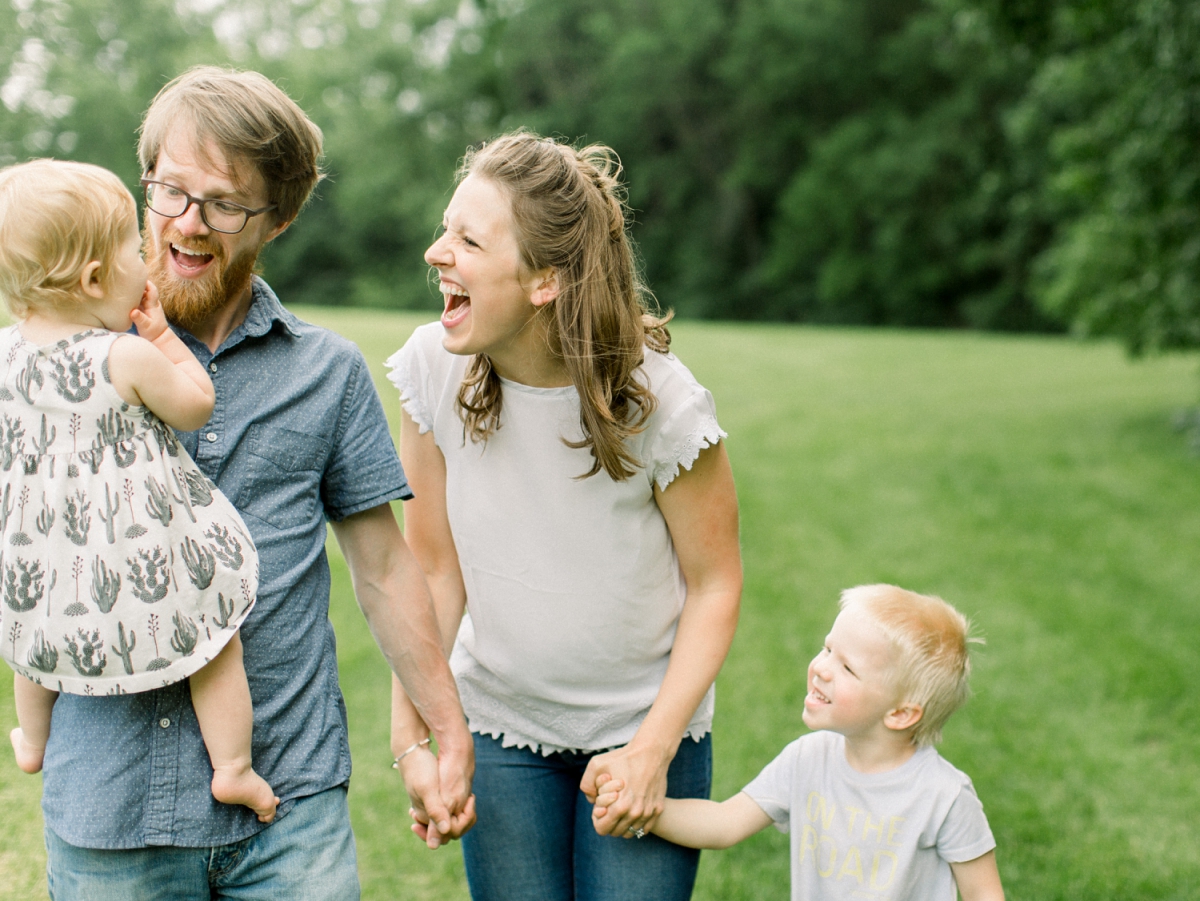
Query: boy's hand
pixel 148 317
pixel 642 770
pixel 608 790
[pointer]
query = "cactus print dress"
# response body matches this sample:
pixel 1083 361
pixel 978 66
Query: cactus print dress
pixel 122 567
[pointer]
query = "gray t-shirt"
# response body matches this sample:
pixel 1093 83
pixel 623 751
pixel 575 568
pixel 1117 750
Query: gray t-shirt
pixel 871 836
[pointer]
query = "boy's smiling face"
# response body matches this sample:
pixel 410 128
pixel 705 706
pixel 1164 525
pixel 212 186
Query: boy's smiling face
pixel 851 686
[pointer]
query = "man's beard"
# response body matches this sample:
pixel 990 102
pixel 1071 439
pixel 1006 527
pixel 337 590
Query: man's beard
pixel 192 304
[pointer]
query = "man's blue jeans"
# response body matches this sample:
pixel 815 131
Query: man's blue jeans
pixel 534 839
pixel 307 855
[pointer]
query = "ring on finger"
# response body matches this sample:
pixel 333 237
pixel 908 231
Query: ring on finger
pixel 637 832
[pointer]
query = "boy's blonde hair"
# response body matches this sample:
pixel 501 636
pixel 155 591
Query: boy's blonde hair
pixel 933 666
pixel 55 218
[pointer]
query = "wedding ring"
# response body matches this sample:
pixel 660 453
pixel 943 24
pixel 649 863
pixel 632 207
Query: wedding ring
pixel 638 833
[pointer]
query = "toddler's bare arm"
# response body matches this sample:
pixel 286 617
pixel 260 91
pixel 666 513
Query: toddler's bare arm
pixel 161 372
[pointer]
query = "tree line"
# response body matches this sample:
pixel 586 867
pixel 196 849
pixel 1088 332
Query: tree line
pixel 993 164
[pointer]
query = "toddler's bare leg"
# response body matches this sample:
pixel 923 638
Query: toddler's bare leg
pixel 221 698
pixel 34 705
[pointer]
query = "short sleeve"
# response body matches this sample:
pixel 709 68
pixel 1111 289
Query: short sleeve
pixel 690 427
pixel 965 834
pixel 410 374
pixel 772 788
pixel 364 470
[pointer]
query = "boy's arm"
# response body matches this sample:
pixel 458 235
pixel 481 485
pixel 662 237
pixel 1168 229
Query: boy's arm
pixel 978 879
pixel 697 823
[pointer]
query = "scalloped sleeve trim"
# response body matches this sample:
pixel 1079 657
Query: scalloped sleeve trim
pixel 409 372
pixel 691 428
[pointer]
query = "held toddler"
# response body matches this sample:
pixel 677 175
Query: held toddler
pixel 877 812
pixel 123 569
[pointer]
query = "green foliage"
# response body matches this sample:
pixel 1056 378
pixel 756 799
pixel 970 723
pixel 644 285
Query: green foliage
pixel 79 75
pixel 977 163
pixel 902 213
pixel 397 115
pixel 1117 98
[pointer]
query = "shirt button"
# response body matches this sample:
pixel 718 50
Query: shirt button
pixel 210 437
pixel 164 722
pixel 212 367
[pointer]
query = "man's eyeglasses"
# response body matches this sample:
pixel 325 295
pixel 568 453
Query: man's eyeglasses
pixel 220 215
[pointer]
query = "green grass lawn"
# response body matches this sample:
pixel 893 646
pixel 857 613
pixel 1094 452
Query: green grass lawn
pixel 1035 483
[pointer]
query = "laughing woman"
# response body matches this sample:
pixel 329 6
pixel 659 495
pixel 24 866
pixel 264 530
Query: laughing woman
pixel 573 495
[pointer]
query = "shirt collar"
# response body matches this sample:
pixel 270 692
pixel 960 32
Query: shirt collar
pixel 265 310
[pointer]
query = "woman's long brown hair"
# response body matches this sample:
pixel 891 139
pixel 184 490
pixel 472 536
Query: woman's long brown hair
pixel 570 214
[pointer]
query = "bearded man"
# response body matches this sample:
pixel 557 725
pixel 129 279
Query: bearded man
pixel 297 437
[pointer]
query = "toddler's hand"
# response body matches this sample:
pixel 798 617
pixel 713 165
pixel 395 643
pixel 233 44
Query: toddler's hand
pixel 608 790
pixel 148 316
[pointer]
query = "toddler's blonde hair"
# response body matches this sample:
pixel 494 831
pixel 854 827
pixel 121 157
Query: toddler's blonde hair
pixel 55 218
pixel 933 667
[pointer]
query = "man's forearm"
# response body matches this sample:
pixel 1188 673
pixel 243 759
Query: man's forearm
pixel 405 628
pixel 395 600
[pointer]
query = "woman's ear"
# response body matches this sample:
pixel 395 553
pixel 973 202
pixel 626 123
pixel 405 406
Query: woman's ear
pixel 90 281
pixel 904 717
pixel 545 287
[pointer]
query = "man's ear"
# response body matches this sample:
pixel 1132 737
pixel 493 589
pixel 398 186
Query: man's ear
pixel 904 717
pixel 545 287
pixel 90 282
pixel 279 229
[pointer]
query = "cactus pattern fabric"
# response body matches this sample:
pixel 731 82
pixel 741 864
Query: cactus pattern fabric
pixel 122 567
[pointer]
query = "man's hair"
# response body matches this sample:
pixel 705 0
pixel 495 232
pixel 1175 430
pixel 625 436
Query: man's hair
pixel 933 666
pixel 55 218
pixel 249 119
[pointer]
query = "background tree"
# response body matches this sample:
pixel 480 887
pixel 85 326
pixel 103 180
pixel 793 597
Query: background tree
pixel 1011 164
pixel 1114 106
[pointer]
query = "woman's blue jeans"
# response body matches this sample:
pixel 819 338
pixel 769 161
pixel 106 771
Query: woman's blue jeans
pixel 534 839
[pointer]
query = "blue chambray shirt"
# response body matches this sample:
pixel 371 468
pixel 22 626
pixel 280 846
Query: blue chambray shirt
pixel 297 435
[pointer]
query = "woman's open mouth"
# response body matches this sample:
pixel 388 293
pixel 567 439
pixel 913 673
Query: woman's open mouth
pixel 458 304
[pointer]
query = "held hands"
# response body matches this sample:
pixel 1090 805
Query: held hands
pixel 627 787
pixel 148 316
pixel 609 790
pixel 442 806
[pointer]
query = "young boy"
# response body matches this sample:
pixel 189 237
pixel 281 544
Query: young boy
pixel 878 812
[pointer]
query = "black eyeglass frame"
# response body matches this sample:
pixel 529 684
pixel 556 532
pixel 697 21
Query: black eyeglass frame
pixel 203 204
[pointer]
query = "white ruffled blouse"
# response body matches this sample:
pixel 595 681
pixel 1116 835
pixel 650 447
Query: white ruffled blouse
pixel 573 587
